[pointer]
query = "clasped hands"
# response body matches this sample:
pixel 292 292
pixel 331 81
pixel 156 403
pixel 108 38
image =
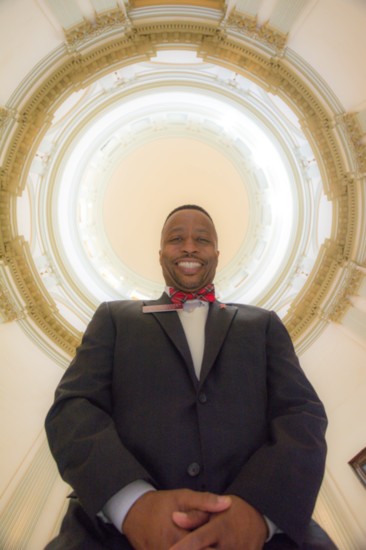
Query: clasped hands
pixel 189 520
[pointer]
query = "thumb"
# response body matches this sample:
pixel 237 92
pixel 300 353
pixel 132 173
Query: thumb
pixel 205 502
pixel 191 519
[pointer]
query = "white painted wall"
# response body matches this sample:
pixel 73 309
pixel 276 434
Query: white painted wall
pixel 336 366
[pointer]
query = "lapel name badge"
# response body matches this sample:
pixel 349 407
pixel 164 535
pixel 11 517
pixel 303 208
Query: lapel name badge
pixel 161 308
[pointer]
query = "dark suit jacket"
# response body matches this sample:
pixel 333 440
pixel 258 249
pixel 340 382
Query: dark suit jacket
pixel 130 407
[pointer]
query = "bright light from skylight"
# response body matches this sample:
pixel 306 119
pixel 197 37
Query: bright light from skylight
pixel 184 57
pixel 257 132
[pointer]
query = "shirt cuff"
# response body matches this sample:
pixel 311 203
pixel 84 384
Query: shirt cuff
pixel 117 507
pixel 272 528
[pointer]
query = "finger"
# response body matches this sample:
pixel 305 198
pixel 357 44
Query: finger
pixel 206 502
pixel 191 519
pixel 200 539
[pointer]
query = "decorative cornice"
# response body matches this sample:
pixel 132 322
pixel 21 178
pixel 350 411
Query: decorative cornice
pixel 351 280
pixel 9 311
pixel 248 26
pixel 104 22
pixel 356 136
pixel 215 42
pixel 39 306
pixel 5 117
pixel 306 307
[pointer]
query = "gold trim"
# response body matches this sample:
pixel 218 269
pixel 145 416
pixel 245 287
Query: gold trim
pixel 9 311
pixel 210 4
pixel 356 135
pixel 104 21
pixel 351 283
pixel 40 307
pixel 77 68
pixel 306 308
pixel 247 25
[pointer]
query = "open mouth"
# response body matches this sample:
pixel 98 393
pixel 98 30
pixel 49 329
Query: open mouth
pixel 189 267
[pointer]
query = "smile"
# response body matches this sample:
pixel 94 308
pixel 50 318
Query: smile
pixel 189 265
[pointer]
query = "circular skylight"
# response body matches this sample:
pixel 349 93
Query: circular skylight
pixel 124 151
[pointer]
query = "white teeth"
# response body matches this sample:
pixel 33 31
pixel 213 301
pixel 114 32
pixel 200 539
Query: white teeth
pixel 189 265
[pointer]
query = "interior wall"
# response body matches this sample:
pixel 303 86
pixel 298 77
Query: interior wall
pixel 335 364
pixel 27 379
pixel 32 495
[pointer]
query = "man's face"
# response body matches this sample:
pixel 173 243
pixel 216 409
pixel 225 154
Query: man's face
pixel 188 254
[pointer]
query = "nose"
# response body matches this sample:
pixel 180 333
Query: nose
pixel 189 246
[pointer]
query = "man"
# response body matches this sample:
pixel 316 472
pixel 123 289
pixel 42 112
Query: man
pixel 186 425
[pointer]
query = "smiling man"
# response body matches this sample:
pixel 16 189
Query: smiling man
pixel 184 423
pixel 188 254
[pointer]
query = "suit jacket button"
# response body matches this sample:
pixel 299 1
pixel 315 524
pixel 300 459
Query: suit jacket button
pixel 193 469
pixel 202 398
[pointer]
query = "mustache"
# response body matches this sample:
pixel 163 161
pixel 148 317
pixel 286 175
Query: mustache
pixel 189 257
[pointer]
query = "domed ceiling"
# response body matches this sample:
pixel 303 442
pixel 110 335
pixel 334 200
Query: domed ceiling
pixel 145 108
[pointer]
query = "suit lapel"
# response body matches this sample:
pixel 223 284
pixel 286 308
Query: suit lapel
pixel 218 323
pixel 170 323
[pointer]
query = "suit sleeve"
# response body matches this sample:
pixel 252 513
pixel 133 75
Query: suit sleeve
pixel 282 478
pixel 80 428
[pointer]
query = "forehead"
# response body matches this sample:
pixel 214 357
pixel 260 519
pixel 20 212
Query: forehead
pixel 189 219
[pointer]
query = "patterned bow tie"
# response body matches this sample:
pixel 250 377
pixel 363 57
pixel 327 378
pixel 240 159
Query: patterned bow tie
pixel 206 294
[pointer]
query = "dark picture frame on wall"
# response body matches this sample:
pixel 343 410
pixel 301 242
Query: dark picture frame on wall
pixel 358 463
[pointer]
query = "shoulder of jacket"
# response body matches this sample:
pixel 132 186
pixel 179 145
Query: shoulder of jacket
pixel 118 306
pixel 124 304
pixel 250 308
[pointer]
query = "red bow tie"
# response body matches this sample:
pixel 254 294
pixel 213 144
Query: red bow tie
pixel 206 294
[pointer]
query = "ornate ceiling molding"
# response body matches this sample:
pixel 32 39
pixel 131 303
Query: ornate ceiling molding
pixel 104 22
pixel 245 25
pixel 115 41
